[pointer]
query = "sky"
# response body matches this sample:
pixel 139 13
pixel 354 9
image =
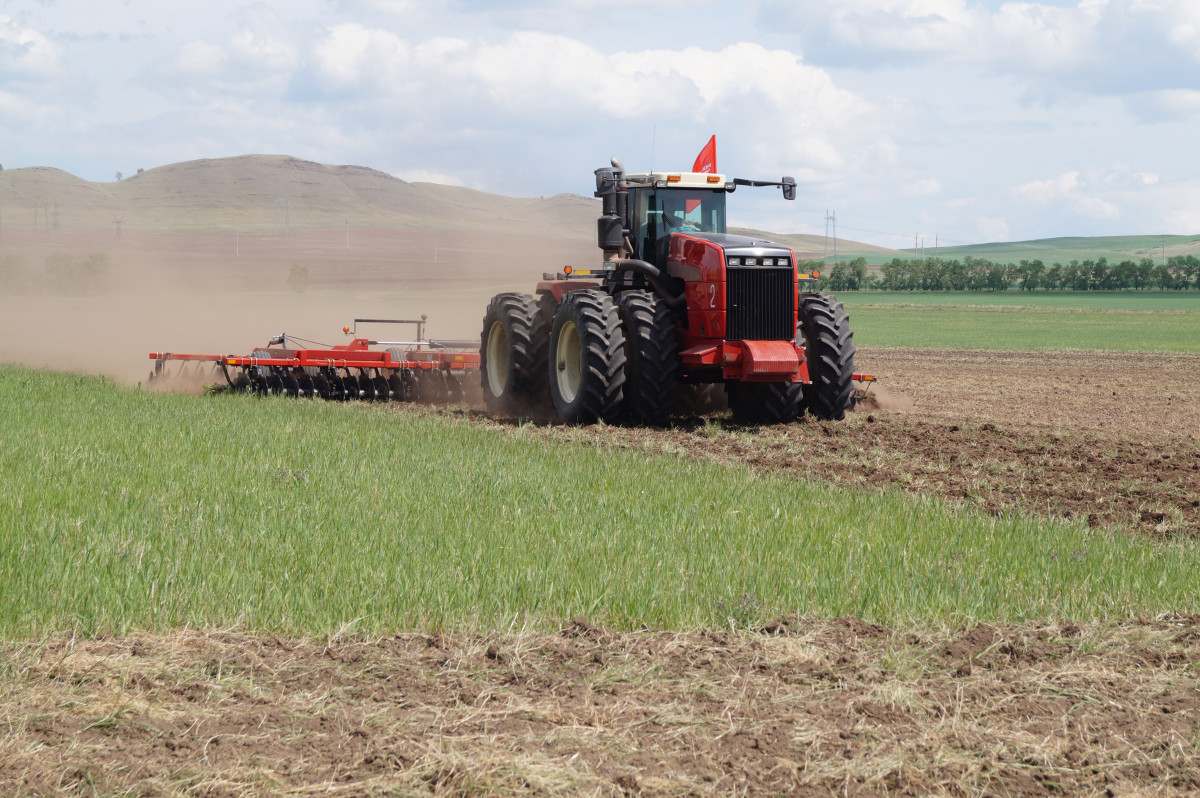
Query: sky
pixel 943 121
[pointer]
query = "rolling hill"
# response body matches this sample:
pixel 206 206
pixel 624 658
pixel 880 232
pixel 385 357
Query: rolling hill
pixel 1063 250
pixel 214 215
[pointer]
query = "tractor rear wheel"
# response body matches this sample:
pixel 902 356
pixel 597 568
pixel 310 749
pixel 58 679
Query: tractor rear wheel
pixel 651 358
pixel 587 358
pixel 764 402
pixel 512 352
pixel 824 332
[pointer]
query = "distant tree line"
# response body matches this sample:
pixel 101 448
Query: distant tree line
pixel 1180 273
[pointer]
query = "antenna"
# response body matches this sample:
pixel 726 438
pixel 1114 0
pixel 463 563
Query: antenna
pixel 653 142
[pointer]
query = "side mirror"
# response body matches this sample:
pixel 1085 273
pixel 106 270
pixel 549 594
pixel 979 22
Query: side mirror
pixel 789 188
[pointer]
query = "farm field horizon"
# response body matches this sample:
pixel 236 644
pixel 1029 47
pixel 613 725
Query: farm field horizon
pixel 1027 321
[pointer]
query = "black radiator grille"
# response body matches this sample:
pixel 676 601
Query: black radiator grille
pixel 760 304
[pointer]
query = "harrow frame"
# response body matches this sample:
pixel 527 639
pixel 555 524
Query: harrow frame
pixel 407 370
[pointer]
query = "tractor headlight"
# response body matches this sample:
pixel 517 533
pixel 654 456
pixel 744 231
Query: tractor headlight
pixel 734 262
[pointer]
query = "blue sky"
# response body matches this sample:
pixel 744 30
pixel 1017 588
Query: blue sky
pixel 968 120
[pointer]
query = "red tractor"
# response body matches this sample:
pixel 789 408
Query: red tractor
pixel 676 301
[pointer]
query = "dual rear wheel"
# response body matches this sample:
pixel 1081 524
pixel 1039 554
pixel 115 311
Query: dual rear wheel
pixel 535 357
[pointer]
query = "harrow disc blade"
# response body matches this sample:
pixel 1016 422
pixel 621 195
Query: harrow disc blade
pixel 400 388
pixel 366 389
pixel 383 391
pixel 454 387
pixel 307 388
pixel 322 387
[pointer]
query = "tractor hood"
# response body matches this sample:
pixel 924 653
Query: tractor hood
pixel 741 246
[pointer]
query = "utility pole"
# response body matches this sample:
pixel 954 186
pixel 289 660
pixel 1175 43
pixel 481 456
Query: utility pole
pixel 835 243
pixel 825 242
pixel 830 235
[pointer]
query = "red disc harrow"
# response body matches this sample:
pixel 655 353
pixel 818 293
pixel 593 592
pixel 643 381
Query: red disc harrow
pixel 420 369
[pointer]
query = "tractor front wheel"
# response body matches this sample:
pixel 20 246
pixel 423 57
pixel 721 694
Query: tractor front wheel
pixel 824 332
pixel 512 352
pixel 764 402
pixel 587 358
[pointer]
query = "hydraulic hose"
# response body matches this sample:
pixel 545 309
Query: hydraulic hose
pixel 653 275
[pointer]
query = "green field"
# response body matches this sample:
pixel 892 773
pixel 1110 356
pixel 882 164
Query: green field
pixel 121 509
pixel 1066 249
pixel 1149 322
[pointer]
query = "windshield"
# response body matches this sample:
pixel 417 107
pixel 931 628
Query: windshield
pixel 677 210
pixel 688 211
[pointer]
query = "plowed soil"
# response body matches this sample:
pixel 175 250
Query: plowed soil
pixel 804 707
pixel 1108 439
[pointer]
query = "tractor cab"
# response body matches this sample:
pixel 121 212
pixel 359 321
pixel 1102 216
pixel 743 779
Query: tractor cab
pixel 662 203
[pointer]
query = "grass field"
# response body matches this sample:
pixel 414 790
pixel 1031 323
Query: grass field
pixel 1064 250
pixel 121 509
pixel 1151 322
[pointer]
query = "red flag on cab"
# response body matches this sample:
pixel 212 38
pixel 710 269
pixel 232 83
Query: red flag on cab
pixel 706 161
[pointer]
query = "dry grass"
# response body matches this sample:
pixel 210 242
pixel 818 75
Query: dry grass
pixel 817 707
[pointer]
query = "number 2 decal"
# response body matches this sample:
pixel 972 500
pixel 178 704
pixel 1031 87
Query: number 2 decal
pixel 712 295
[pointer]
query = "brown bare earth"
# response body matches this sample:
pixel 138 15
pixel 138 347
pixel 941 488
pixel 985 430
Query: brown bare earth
pixel 806 707
pixel 1108 439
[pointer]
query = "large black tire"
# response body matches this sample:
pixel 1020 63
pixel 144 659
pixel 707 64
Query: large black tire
pixel 765 402
pixel 823 330
pixel 586 368
pixel 512 352
pixel 651 358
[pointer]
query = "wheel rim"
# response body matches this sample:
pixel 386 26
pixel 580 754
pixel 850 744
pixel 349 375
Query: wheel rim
pixel 568 359
pixel 497 358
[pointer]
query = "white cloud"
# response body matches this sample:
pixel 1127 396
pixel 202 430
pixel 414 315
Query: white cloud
pixel 1046 190
pixel 200 58
pixel 1113 46
pixel 352 54
pixel 25 52
pixel 1069 189
pixel 1185 220
pixel 555 80
pixel 993 228
pixel 427 176
pixel 1166 103
pixel 923 187
pixel 264 52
